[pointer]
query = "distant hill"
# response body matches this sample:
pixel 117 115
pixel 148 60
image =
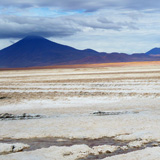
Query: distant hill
pixel 35 51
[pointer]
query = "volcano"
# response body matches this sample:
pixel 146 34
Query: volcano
pixel 34 51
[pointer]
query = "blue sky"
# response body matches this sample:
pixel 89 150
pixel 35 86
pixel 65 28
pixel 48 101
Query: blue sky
pixel 129 26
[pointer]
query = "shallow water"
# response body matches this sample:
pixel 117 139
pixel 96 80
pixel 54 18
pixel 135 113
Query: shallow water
pixel 37 143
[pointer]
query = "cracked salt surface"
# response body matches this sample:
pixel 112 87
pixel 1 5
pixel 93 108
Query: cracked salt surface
pixel 131 120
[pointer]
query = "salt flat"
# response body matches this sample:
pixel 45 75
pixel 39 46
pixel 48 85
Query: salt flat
pixel 67 99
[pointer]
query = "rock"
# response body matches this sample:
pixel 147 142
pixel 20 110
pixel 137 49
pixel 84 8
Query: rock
pixel 3 97
pixel 24 115
pixel 100 113
pixel 37 116
pixel 7 116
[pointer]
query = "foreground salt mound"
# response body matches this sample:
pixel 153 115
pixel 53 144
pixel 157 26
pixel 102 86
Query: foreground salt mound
pixel 75 152
pixel 103 149
pixel 8 148
pixel 56 153
pixel 145 154
pixel 140 138
pixel 135 144
pixel 78 152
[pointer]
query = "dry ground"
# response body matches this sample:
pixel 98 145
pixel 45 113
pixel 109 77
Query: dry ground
pixel 67 97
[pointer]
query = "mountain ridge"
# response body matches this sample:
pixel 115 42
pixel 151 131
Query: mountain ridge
pixel 33 51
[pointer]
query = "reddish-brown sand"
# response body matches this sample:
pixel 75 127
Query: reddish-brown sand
pixel 117 64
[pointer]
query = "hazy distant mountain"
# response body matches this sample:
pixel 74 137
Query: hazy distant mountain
pixel 37 51
pixel 154 51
